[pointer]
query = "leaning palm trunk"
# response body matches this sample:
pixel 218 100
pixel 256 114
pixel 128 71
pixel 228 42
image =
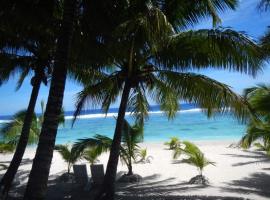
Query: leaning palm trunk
pixel 20 149
pixel 108 187
pixel 37 183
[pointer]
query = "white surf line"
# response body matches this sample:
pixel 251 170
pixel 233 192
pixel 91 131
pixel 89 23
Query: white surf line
pixel 102 115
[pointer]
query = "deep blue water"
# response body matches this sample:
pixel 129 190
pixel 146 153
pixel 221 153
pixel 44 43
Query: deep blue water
pixel 189 124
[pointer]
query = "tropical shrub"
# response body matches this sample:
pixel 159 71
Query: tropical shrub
pixel 142 157
pixel 69 155
pixel 129 149
pixel 173 143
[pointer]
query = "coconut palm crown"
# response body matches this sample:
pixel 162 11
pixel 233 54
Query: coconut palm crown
pixel 154 56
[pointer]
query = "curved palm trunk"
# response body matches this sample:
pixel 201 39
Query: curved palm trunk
pixel 23 140
pixel 37 183
pixel 108 186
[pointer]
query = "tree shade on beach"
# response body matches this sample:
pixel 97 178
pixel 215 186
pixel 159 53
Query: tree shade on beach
pixel 152 55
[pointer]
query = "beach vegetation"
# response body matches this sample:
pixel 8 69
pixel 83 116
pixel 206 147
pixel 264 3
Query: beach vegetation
pixel 258 129
pixel 173 143
pixel 195 157
pixel 27 50
pixel 143 157
pixel 153 60
pixel 69 155
pixel 6 147
pixel 91 155
pixel 129 149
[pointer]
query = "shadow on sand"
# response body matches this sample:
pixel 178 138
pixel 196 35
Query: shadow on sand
pixel 256 183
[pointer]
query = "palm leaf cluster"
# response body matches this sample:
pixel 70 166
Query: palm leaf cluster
pixel 68 154
pixel 258 129
pixel 173 143
pixel 155 60
pixel 195 156
pixel 91 148
pixel 12 129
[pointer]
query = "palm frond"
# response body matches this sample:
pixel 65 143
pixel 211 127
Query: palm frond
pixel 209 94
pixel 218 48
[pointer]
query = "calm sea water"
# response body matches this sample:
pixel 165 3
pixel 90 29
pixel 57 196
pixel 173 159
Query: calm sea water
pixel 189 123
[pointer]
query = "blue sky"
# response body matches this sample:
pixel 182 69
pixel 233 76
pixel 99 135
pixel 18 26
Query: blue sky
pixel 246 18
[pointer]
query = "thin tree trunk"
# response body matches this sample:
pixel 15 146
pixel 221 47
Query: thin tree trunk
pixel 130 172
pixel 7 179
pixel 108 186
pixel 37 183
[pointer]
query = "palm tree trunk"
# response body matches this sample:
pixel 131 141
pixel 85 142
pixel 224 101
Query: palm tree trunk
pixel 23 140
pixel 108 186
pixel 38 178
pixel 130 172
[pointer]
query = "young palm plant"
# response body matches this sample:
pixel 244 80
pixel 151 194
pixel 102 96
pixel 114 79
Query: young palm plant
pixel 195 158
pixel 68 154
pixel 143 157
pixel 129 149
pixel 91 155
pixel 153 55
pixel 173 143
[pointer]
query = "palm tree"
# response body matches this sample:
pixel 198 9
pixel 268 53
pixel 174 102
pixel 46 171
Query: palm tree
pixel 91 155
pixel 173 143
pixel 12 132
pixel 37 183
pixel 198 160
pixel 68 154
pixel 152 56
pixel 129 149
pixel 143 157
pixel 195 158
pixel 259 98
pixel 26 45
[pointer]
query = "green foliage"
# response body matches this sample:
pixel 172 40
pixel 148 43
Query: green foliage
pixel 151 50
pixel 129 149
pixel 258 129
pixel 142 156
pixel 6 147
pixel 69 155
pixel 173 143
pixel 11 130
pixel 195 156
pixel 91 155
pixel 197 159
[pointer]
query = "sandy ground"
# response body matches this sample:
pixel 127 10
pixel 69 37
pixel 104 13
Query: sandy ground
pixel 237 173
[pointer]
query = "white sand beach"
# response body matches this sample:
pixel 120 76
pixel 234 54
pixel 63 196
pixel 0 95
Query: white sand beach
pixel 237 173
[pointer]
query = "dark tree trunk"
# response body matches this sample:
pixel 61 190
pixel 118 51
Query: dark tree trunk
pixel 130 172
pixel 7 179
pixel 38 178
pixel 108 186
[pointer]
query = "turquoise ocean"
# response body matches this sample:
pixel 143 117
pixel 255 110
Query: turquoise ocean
pixel 189 124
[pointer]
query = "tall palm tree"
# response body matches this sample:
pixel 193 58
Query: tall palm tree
pixel 26 46
pixel 153 55
pixel 37 183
